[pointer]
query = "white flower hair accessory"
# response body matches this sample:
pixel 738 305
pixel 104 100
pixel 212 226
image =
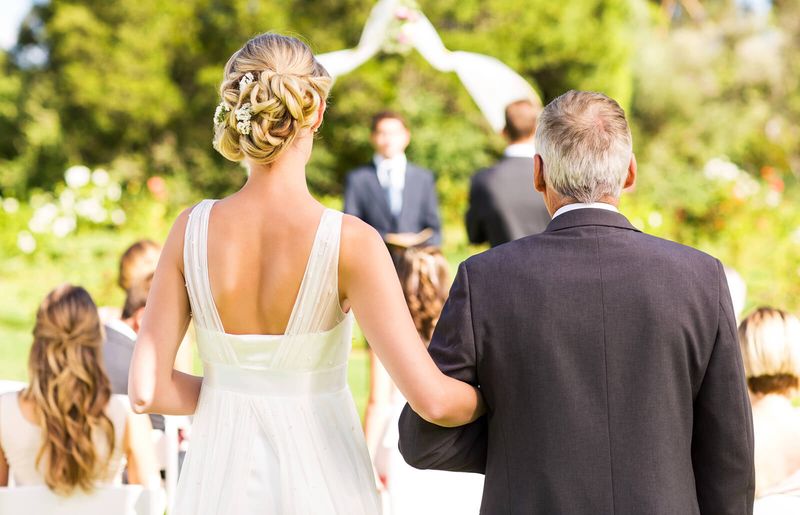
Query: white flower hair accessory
pixel 247 79
pixel 243 115
pixel 221 113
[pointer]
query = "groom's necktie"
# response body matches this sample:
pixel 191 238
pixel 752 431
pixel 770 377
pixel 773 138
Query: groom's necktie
pixel 391 177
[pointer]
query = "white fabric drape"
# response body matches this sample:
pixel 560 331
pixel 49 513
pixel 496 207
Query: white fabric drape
pixel 492 84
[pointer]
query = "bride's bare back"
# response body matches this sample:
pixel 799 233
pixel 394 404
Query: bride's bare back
pixel 257 256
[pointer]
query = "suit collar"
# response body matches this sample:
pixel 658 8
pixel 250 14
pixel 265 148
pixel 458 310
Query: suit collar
pixel 589 216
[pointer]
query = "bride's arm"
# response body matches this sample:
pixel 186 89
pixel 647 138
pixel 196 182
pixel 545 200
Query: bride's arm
pixel 369 282
pixel 154 386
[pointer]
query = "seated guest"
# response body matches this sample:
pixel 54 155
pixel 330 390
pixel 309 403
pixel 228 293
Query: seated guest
pixel 65 429
pixel 770 342
pixel 137 262
pixel 121 337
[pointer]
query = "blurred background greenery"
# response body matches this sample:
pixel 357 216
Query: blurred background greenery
pixel 106 122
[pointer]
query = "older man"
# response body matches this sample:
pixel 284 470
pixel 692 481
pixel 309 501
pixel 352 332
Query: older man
pixel 608 358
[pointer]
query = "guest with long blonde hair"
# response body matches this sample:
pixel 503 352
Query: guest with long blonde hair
pixel 65 429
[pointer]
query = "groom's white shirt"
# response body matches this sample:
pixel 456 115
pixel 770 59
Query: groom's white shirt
pixel 584 205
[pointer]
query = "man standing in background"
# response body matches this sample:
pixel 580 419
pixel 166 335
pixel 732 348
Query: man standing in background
pixel 503 204
pixel 394 196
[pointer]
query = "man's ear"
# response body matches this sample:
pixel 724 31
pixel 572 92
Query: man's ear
pixel 630 179
pixel 538 174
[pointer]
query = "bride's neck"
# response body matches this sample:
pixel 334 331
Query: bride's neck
pixel 283 180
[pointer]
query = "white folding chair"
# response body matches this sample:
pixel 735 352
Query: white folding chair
pixel 122 500
pixel 166 443
pixel 11 386
pixel 777 505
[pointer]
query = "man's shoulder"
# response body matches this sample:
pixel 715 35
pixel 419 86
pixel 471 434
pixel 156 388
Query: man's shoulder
pixel 644 245
pixel 677 251
pixel 482 175
pixel 360 171
pixel 491 173
pixel 116 341
pixel 414 169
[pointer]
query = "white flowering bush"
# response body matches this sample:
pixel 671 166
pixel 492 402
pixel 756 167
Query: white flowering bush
pixel 750 221
pixel 87 198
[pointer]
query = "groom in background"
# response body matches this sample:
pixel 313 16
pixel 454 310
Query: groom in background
pixel 608 358
pixel 394 196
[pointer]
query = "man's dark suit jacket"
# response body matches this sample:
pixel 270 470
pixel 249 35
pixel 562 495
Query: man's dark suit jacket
pixel 117 355
pixel 611 371
pixel 365 198
pixel 503 204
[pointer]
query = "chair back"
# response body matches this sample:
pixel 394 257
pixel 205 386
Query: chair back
pixel 122 500
pixel 777 505
pixel 11 386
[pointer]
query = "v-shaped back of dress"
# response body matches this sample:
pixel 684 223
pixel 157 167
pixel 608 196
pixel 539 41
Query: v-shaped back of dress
pixel 316 322
pixel 276 429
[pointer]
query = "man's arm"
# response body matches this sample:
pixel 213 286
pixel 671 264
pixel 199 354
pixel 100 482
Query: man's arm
pixel 475 219
pixel 722 439
pixel 425 445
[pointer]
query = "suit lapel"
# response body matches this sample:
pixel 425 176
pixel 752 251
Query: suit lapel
pixel 411 196
pixel 379 194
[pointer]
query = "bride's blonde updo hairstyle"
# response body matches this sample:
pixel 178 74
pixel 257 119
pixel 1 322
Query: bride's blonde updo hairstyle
pixel 70 391
pixel 271 91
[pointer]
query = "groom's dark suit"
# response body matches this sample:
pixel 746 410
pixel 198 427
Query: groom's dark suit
pixel 611 371
pixel 365 198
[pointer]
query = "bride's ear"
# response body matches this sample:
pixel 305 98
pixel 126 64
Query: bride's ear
pixel 320 116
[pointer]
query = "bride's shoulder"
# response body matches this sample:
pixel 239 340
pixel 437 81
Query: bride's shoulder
pixel 357 232
pixel 173 246
pixel 359 241
pixel 179 225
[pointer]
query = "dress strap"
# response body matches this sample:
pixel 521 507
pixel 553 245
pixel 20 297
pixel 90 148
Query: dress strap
pixel 318 299
pixel 195 268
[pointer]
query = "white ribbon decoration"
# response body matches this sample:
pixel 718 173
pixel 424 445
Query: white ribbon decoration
pixel 492 84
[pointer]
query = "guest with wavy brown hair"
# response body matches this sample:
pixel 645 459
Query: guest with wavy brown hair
pixel 65 429
pixel 770 342
pixel 425 278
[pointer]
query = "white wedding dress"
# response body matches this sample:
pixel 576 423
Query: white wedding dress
pixel 276 430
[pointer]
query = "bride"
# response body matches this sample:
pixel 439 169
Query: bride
pixel 271 278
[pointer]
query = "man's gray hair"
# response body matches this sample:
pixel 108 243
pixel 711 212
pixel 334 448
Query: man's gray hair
pixel 585 144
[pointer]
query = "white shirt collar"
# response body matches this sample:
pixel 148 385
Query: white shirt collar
pixel 584 205
pixel 400 161
pixel 520 150
pixel 391 172
pixel 121 327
